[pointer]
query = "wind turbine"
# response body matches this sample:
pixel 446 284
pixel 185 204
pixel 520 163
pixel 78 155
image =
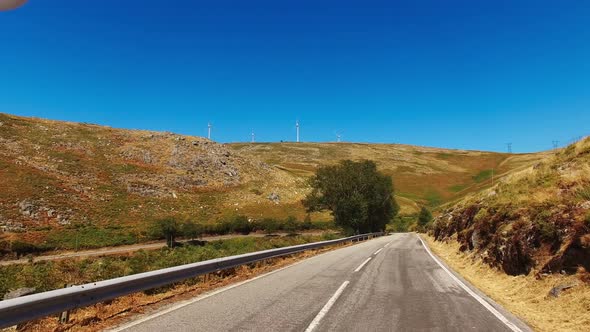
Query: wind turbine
pixel 253 136
pixel 297 126
pixel 209 126
pixel 338 136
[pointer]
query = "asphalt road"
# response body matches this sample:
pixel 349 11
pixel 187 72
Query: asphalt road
pixel 387 284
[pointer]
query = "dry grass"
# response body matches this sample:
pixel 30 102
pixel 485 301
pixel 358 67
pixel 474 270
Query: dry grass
pixel 422 176
pixel 106 177
pixel 525 296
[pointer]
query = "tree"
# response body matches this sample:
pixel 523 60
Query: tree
pixel 424 217
pixel 168 228
pixel 192 229
pixel 360 197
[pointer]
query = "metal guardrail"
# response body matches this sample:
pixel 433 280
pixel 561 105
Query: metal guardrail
pixel 26 308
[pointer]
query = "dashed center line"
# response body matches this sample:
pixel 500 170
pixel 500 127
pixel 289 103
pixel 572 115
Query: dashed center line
pixel 316 321
pixel 362 265
pixel 378 251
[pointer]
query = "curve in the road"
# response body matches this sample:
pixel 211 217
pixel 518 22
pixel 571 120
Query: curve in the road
pixel 387 284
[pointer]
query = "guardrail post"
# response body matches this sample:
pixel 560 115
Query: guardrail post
pixel 64 317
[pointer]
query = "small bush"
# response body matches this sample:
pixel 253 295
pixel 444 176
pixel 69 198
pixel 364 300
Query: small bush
pixel 240 224
pixel 291 225
pixel 256 192
pixel 192 229
pixel 269 225
pixel 24 248
pixel 584 193
pixel 424 218
pixel 546 228
pixel 483 175
pixel 168 228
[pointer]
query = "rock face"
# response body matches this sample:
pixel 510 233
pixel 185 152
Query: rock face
pixel 537 219
pixel 29 209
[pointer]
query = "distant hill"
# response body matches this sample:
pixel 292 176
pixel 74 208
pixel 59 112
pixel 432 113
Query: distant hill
pixel 66 182
pixel 422 176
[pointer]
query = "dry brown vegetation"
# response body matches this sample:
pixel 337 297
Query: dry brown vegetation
pixel 69 185
pixel 533 221
pixel 121 310
pixel 525 296
pixel 422 176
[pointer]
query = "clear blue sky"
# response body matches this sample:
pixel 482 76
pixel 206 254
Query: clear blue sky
pixel 459 74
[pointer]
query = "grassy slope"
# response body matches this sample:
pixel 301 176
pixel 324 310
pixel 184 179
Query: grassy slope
pixel 535 220
pixel 422 176
pixel 89 186
pixel 101 186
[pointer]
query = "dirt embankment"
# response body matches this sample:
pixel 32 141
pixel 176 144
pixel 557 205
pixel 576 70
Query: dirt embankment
pixel 535 221
pixel 553 303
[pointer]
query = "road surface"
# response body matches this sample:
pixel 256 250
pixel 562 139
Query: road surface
pixel 390 283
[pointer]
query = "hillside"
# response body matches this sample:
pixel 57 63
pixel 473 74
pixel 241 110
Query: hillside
pixel 535 220
pixel 62 181
pixel 76 185
pixel 422 176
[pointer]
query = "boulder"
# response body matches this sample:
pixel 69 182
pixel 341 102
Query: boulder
pixel 557 290
pixel 18 293
pixel 274 197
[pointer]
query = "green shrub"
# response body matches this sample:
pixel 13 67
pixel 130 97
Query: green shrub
pixel 546 228
pixel 483 175
pixel 291 225
pixel 168 228
pixel 424 218
pixel 584 193
pixel 22 248
pixel 192 230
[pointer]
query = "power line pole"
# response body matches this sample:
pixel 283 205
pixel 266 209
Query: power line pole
pixel 209 126
pixel 297 126
pixel 555 144
pixel 509 145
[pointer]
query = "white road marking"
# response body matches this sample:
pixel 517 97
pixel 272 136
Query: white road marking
pixel 378 251
pixel 362 265
pixel 479 299
pixel 316 321
pixel 207 295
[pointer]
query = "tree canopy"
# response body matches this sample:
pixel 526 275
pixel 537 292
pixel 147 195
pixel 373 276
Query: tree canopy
pixel 424 217
pixel 360 197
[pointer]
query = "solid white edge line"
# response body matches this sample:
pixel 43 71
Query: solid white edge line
pixel 316 321
pixel 363 264
pixel 205 296
pixel 378 251
pixel 479 299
